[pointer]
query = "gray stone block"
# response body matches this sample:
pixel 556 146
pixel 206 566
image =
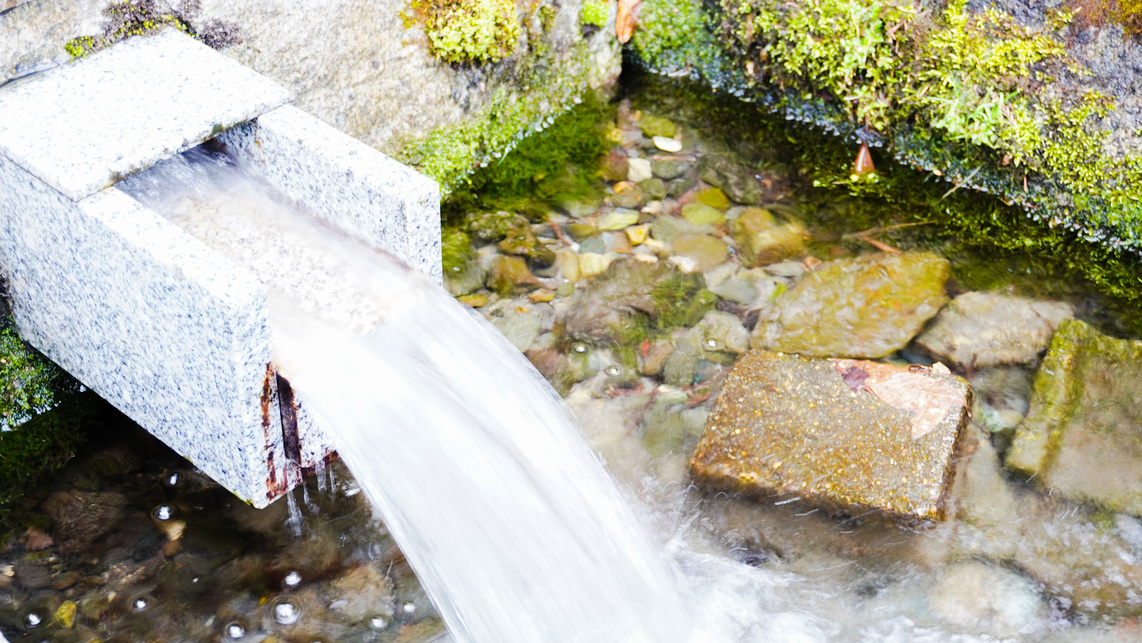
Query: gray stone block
pixel 84 126
pixel 170 331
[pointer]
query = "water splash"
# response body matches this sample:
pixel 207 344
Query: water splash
pixel 509 520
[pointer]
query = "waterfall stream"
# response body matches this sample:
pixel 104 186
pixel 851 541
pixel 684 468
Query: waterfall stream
pixel 509 520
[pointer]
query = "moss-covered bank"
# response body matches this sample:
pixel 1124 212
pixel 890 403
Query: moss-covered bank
pixel 969 96
pixel 41 416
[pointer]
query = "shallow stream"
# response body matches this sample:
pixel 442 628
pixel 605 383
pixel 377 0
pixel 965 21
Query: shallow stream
pixel 143 548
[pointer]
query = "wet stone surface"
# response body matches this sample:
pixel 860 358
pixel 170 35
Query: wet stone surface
pixel 868 306
pixel 819 430
pixel 1083 434
pixel 980 329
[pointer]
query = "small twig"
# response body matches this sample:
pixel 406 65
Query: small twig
pixel 959 184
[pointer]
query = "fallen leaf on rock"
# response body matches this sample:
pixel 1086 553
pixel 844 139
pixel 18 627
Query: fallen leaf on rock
pixel 928 399
pixel 626 18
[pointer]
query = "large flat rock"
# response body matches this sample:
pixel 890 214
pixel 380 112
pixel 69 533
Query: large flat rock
pixel 868 306
pixel 849 435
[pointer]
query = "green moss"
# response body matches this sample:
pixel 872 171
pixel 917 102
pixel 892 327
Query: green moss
pixel 464 31
pixel 681 300
pixel 559 163
pixel 676 35
pixel 595 13
pixel 954 92
pixel 127 19
pixel 41 415
pixel 456 249
pixel 30 384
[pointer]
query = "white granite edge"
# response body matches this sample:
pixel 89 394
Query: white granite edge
pixel 93 126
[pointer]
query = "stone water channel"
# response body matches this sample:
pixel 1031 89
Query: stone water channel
pixel 636 294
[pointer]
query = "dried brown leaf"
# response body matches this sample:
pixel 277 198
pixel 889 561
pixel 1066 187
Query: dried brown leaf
pixel 626 18
pixel 912 389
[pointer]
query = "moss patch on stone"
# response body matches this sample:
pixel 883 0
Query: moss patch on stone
pixel 143 18
pixel 40 421
pixel 470 31
pixel 943 89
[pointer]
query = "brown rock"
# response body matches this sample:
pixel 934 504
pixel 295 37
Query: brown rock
pixel 832 433
pixel 79 517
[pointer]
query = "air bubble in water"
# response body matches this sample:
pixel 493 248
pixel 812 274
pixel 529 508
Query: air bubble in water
pixel 613 370
pixel 235 631
pixel 378 623
pixel 32 620
pixel 286 613
pixel 579 347
pixel 139 604
pixel 163 513
pixel 292 579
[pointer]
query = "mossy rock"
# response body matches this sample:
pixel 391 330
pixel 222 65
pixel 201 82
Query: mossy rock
pixel 868 306
pixel 1082 437
pixel 477 31
pixel 970 101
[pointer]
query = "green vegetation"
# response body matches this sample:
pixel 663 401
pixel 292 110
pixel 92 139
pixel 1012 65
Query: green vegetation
pixel 470 31
pixel 955 92
pixel 40 421
pixel 595 13
pixel 127 19
pixel 561 159
pixel 990 243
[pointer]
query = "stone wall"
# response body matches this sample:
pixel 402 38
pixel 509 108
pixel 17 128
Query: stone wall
pixel 363 66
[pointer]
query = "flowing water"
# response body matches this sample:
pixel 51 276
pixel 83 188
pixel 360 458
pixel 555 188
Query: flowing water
pixel 510 521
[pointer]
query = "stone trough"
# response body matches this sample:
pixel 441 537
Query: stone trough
pixel 168 330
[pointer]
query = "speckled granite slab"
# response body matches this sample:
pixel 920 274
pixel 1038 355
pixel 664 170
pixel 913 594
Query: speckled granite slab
pixel 379 201
pixel 82 126
pixel 171 332
pixel 164 328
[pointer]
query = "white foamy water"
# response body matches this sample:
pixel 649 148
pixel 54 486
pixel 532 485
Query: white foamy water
pixel 509 520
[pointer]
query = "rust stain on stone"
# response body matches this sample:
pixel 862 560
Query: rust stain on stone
pixel 274 486
pixel 290 440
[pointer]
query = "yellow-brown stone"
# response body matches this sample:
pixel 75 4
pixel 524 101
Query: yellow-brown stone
pixel 819 430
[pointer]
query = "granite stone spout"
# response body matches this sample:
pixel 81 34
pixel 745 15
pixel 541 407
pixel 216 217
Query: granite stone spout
pixel 168 330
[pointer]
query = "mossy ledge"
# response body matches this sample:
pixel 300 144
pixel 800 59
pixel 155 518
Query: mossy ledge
pixel 968 96
pixel 536 84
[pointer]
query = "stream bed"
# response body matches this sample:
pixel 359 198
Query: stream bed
pixel 722 218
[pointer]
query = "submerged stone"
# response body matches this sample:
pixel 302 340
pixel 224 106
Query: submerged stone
pixel 652 126
pixel 982 329
pixel 764 240
pixel 735 180
pixel 843 434
pixel 701 214
pixel 510 275
pixel 868 306
pixel 521 241
pixel 654 189
pixel 615 165
pixel 1082 437
pixel 492 226
pixel 464 279
pixel 668 169
pixel 706 251
pixel 712 197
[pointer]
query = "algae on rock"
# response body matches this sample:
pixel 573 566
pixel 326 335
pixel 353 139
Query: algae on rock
pixel 869 306
pixel 1083 434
